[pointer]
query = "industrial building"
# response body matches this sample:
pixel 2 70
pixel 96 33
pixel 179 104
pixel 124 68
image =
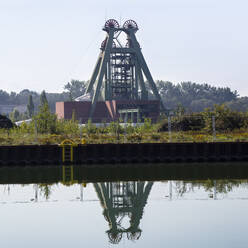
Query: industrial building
pixel 120 82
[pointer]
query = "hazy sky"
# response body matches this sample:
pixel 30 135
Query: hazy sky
pixel 46 43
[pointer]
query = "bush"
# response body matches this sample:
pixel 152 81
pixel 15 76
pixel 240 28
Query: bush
pixel 45 121
pixel 5 122
pixel 134 138
pixel 91 128
pixel 114 128
pixel 68 127
pixel 147 127
pixel 225 119
pixel 194 122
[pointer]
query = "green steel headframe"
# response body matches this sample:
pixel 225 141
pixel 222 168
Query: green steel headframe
pixel 120 70
pixel 120 199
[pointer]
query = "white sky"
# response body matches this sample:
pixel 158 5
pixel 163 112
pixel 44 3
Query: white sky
pixel 45 43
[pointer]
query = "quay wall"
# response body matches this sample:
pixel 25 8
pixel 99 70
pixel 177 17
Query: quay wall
pixel 125 153
pixel 124 172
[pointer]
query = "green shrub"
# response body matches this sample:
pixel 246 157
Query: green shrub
pixel 146 127
pixel 225 119
pixel 134 138
pixel 91 128
pixel 193 122
pixel 44 120
pixel 67 127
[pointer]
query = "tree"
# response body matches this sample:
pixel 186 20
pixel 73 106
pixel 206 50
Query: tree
pixel 45 120
pixel 225 118
pixel 46 190
pixel 189 95
pixel 4 97
pixel 199 105
pixel 180 110
pixel 15 115
pixel 75 88
pixel 43 98
pixel 240 104
pixel 30 106
pixel 5 122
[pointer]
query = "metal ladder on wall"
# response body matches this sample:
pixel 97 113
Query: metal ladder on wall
pixel 67 154
pixel 67 158
pixel 67 151
pixel 68 175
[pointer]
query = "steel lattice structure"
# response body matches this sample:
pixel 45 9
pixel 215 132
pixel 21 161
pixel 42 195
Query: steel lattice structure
pixel 120 69
pixel 120 199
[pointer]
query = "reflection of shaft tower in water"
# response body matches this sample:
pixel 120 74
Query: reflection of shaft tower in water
pixel 122 199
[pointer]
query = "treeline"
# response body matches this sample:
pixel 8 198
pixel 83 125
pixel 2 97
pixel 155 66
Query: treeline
pixel 72 89
pixel 22 97
pixel 225 120
pixel 193 97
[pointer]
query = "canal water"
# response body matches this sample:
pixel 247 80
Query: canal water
pixel 37 209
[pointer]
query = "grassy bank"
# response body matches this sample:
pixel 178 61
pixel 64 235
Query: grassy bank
pixel 26 136
pixel 45 128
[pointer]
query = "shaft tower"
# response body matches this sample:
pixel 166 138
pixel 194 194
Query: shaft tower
pixel 121 68
pixel 120 200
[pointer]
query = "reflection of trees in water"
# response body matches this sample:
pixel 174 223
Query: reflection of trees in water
pixel 45 190
pixel 222 186
pixel 219 186
pixel 121 199
pixel 131 193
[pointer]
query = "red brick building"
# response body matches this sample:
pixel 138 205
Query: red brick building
pixel 107 111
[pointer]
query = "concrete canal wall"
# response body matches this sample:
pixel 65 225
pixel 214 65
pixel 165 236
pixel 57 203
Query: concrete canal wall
pixel 123 153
